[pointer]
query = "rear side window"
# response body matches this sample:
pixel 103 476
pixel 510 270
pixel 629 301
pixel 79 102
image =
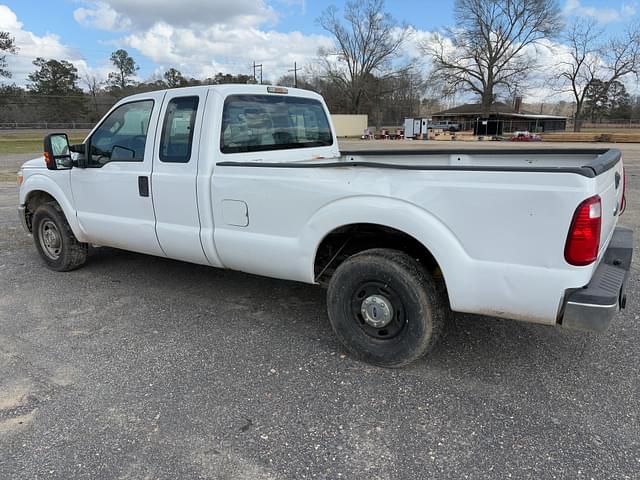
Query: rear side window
pixel 177 131
pixel 254 123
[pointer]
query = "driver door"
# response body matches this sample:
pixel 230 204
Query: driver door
pixel 113 193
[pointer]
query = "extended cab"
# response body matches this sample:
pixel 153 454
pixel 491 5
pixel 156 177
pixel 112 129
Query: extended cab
pixel 250 178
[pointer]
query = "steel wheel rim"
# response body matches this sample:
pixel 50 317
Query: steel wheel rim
pixel 50 239
pixel 373 294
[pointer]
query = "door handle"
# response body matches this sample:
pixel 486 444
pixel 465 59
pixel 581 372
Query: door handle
pixel 143 186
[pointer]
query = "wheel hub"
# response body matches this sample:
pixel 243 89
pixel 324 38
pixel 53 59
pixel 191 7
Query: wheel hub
pixel 50 239
pixel 377 311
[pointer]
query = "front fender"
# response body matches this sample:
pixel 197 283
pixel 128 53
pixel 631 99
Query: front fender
pixel 39 182
pixel 395 213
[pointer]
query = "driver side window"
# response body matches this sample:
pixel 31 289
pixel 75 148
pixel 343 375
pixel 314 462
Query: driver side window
pixel 122 136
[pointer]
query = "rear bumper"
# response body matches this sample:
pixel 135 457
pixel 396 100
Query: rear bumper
pixel 592 307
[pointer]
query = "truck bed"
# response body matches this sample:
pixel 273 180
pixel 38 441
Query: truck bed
pixel 586 162
pixel 498 229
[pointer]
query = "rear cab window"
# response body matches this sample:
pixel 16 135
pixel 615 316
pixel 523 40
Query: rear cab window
pixel 254 123
pixel 177 131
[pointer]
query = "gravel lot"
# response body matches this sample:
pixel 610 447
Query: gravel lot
pixel 138 367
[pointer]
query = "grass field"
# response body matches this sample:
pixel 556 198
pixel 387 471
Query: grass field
pixel 30 141
pixel 18 146
pixel 611 130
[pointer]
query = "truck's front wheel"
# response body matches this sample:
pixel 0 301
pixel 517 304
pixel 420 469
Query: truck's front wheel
pixel 54 239
pixel 385 308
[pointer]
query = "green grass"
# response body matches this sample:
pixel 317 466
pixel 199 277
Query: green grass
pixel 8 177
pixel 611 130
pixel 28 142
pixel 7 147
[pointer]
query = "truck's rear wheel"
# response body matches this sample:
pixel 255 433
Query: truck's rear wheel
pixel 385 308
pixel 54 239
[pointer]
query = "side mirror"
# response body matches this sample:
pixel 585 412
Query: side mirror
pixel 57 155
pixel 78 148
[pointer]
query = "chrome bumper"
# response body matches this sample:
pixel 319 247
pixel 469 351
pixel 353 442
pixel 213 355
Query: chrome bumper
pixel 592 307
pixel 23 219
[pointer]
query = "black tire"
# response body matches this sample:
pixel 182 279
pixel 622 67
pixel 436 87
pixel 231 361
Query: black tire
pixel 55 241
pixel 379 278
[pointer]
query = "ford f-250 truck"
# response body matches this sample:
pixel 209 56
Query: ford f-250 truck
pixel 250 178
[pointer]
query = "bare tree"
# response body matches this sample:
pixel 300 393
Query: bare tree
pixel 580 68
pixel 366 43
pixel 591 60
pixel 7 44
pixel 288 80
pixel 489 48
pixel 93 87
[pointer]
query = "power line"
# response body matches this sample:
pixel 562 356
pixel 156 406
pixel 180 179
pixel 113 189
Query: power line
pixel 295 74
pixel 254 72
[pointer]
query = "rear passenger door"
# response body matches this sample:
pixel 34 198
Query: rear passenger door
pixel 175 168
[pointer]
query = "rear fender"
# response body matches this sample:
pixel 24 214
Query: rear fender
pixel 398 214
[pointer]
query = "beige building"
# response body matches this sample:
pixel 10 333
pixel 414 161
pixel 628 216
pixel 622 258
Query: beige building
pixel 350 125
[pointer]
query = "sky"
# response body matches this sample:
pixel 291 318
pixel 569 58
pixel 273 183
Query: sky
pixel 203 37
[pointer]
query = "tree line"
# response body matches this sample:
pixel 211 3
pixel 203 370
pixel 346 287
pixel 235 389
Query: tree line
pixel 57 93
pixel 491 55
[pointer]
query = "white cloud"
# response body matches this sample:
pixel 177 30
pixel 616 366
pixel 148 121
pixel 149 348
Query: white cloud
pixel 31 46
pixel 600 14
pixel 203 37
pixel 220 48
pixel 101 16
pixel 121 14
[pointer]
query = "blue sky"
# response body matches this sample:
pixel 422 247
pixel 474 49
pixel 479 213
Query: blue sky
pixel 95 44
pixel 201 37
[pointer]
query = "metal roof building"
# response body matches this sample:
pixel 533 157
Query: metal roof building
pixel 502 118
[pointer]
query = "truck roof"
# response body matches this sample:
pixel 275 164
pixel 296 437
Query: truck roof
pixel 236 88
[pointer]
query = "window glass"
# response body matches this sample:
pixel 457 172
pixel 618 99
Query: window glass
pixel 252 123
pixel 123 135
pixel 177 132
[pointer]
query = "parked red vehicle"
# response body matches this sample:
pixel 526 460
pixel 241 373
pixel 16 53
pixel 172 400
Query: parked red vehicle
pixel 525 137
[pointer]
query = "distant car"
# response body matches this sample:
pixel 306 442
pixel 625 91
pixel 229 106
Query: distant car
pixel 525 136
pixel 448 126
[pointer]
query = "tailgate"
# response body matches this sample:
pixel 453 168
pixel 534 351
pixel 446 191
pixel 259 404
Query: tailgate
pixel 610 185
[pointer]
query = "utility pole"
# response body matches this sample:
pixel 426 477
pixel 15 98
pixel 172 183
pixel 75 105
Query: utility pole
pixel 254 72
pixel 295 74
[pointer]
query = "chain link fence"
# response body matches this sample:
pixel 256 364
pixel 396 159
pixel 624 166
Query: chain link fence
pixel 608 123
pixel 46 126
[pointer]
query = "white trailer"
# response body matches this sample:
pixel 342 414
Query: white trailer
pixel 416 128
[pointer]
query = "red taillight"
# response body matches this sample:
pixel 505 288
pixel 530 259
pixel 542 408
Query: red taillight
pixel 583 240
pixel 623 203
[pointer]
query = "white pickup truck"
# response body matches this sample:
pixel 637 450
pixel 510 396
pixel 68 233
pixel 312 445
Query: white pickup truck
pixel 250 178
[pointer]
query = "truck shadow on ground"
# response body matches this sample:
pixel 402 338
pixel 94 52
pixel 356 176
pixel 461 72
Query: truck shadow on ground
pixel 476 346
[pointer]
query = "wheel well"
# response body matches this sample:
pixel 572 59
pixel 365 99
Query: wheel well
pixel 33 201
pixel 348 240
